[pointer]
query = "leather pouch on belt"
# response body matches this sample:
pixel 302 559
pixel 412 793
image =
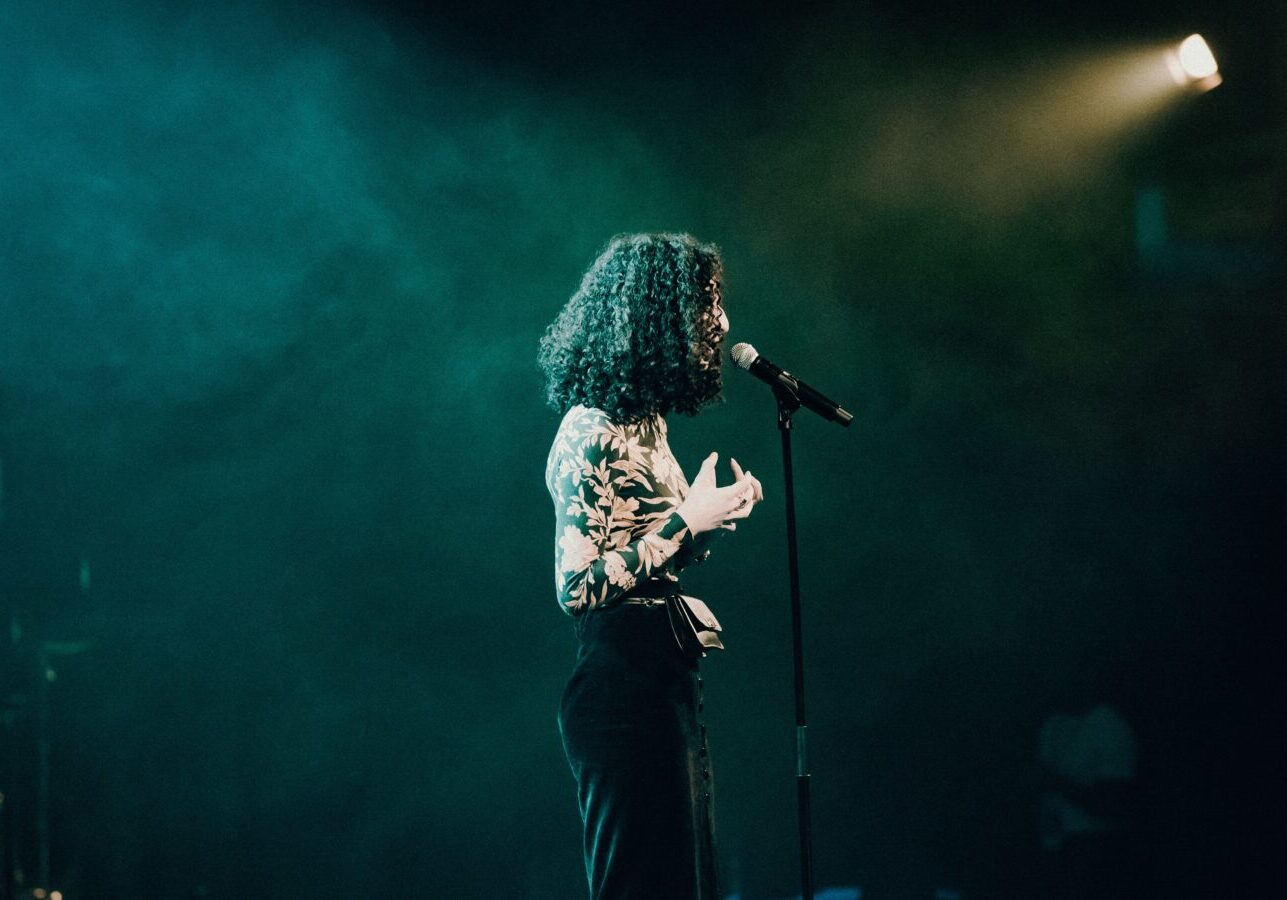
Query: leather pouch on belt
pixel 695 626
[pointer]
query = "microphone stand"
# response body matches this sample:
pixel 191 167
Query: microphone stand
pixel 788 403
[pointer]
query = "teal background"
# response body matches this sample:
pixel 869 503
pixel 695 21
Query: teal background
pixel 271 282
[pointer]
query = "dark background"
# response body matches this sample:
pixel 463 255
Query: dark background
pixel 272 438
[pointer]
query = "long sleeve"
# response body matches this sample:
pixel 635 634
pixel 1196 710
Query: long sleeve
pixel 615 519
pixel 698 551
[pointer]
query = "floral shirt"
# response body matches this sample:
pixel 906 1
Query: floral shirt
pixel 615 489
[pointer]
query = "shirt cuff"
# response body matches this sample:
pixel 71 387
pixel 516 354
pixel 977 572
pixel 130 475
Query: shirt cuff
pixel 673 526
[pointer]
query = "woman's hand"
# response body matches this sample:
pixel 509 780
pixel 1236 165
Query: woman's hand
pixel 712 508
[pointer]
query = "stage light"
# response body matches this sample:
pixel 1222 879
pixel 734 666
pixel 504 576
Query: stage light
pixel 1196 57
pixel 1193 63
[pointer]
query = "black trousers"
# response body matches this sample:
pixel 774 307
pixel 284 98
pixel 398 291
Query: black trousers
pixel 632 730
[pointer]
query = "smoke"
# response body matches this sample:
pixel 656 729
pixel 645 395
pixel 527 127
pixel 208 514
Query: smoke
pixel 178 183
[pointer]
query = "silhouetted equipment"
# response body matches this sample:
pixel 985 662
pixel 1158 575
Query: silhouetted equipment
pixel 25 794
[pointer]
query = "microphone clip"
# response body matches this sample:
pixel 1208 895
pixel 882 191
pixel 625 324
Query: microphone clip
pixel 788 399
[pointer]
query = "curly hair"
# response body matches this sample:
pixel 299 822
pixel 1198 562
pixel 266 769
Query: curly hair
pixel 641 335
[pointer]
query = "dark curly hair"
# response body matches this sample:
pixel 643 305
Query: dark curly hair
pixel 641 335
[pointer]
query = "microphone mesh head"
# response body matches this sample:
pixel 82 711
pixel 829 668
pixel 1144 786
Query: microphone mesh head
pixel 744 355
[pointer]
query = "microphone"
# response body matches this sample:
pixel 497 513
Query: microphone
pixel 748 358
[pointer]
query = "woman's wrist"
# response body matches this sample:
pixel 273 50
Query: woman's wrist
pixel 692 532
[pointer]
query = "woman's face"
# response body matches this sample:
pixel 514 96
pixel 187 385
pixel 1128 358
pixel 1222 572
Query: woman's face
pixel 717 307
pixel 716 312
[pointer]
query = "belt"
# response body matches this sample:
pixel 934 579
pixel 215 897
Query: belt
pixel 652 592
pixel 694 626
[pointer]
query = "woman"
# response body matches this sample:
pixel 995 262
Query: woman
pixel 639 339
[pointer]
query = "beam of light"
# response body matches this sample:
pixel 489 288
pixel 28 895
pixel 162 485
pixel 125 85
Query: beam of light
pixel 1193 63
pixel 997 136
